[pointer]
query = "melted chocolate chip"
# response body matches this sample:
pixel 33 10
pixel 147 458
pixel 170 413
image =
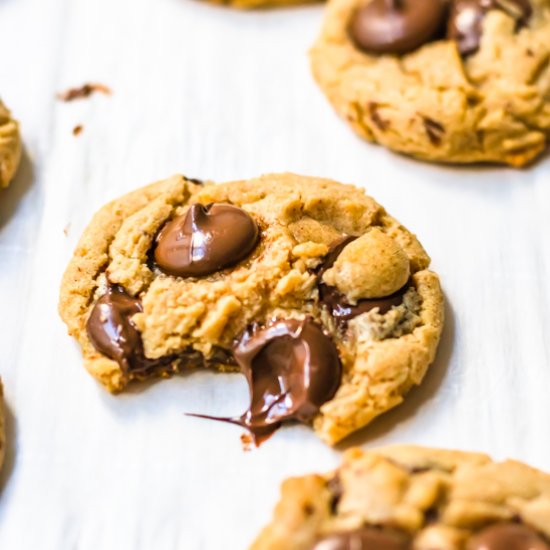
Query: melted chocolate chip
pixel 365 538
pixel 397 26
pixel 465 23
pixel 112 333
pixel 434 130
pixel 507 536
pixel 205 240
pixel 336 302
pixel 291 367
pixel 111 330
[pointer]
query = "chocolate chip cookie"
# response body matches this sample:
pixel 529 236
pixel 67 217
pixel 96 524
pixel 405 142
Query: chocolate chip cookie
pixel 10 146
pixel 456 81
pixel 306 286
pixel 256 4
pixel 404 498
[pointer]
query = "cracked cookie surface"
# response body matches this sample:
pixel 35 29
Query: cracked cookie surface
pixel 408 497
pixel 384 345
pixel 10 146
pixel 492 105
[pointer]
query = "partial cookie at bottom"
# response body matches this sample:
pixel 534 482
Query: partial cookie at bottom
pixel 424 498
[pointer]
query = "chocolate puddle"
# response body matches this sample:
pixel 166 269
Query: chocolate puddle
pixel 291 367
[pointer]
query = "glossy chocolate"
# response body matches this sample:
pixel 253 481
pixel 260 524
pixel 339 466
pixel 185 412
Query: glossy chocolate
pixel 291 367
pixel 507 536
pixel 465 23
pixel 111 330
pixel 336 302
pixel 397 26
pixel 205 240
pixel 365 538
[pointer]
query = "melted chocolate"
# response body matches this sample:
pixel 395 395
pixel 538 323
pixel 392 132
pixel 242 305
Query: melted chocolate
pixel 365 538
pixel 336 302
pixel 291 367
pixel 112 333
pixel 205 240
pixel 507 536
pixel 465 23
pixel 397 26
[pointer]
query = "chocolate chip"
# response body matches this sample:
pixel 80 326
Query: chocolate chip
pixel 292 368
pixel 196 181
pixel 334 485
pixel 367 538
pixel 336 302
pixel 377 120
pixel 396 26
pixel 434 130
pixel 465 23
pixel 205 240
pixel 507 536
pixel 111 330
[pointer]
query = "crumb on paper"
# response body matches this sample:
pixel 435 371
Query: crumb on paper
pixel 77 130
pixel 84 91
pixel 66 229
pixel 247 441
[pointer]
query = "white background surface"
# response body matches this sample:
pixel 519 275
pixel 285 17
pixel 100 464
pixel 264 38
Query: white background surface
pixel 220 94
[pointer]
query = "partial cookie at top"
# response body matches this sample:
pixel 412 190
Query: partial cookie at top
pixel 476 92
pixel 10 146
pixel 262 276
pixel 258 4
pixel 413 498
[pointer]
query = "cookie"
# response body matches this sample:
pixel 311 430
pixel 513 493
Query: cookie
pixel 461 81
pixel 306 286
pixel 2 426
pixel 256 4
pixel 10 146
pixel 403 498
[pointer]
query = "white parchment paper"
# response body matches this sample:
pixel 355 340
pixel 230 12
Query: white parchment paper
pixel 221 94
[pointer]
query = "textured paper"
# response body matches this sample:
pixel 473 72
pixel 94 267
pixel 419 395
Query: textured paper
pixel 220 94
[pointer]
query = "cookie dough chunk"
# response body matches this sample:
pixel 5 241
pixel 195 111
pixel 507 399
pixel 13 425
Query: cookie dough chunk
pixel 461 81
pixel 414 498
pixel 10 146
pixel 307 286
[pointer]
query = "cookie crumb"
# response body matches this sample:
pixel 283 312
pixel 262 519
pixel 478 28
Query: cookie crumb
pixel 77 130
pixel 84 91
pixel 247 442
pixel 66 229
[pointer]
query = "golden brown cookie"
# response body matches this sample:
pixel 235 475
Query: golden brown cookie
pixel 413 498
pixel 10 146
pixel 258 4
pixel 470 83
pixel 308 286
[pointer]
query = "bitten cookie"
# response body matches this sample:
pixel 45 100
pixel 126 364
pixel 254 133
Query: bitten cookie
pixel 307 286
pixel 455 81
pixel 10 146
pixel 413 498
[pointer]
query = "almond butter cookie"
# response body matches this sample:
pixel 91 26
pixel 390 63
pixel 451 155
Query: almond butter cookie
pixel 456 81
pixel 10 146
pixel 306 286
pixel 413 498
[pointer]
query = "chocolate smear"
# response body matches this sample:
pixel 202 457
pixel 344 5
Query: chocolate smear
pixel 204 240
pixel 365 538
pixel 292 367
pixel 397 26
pixel 336 302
